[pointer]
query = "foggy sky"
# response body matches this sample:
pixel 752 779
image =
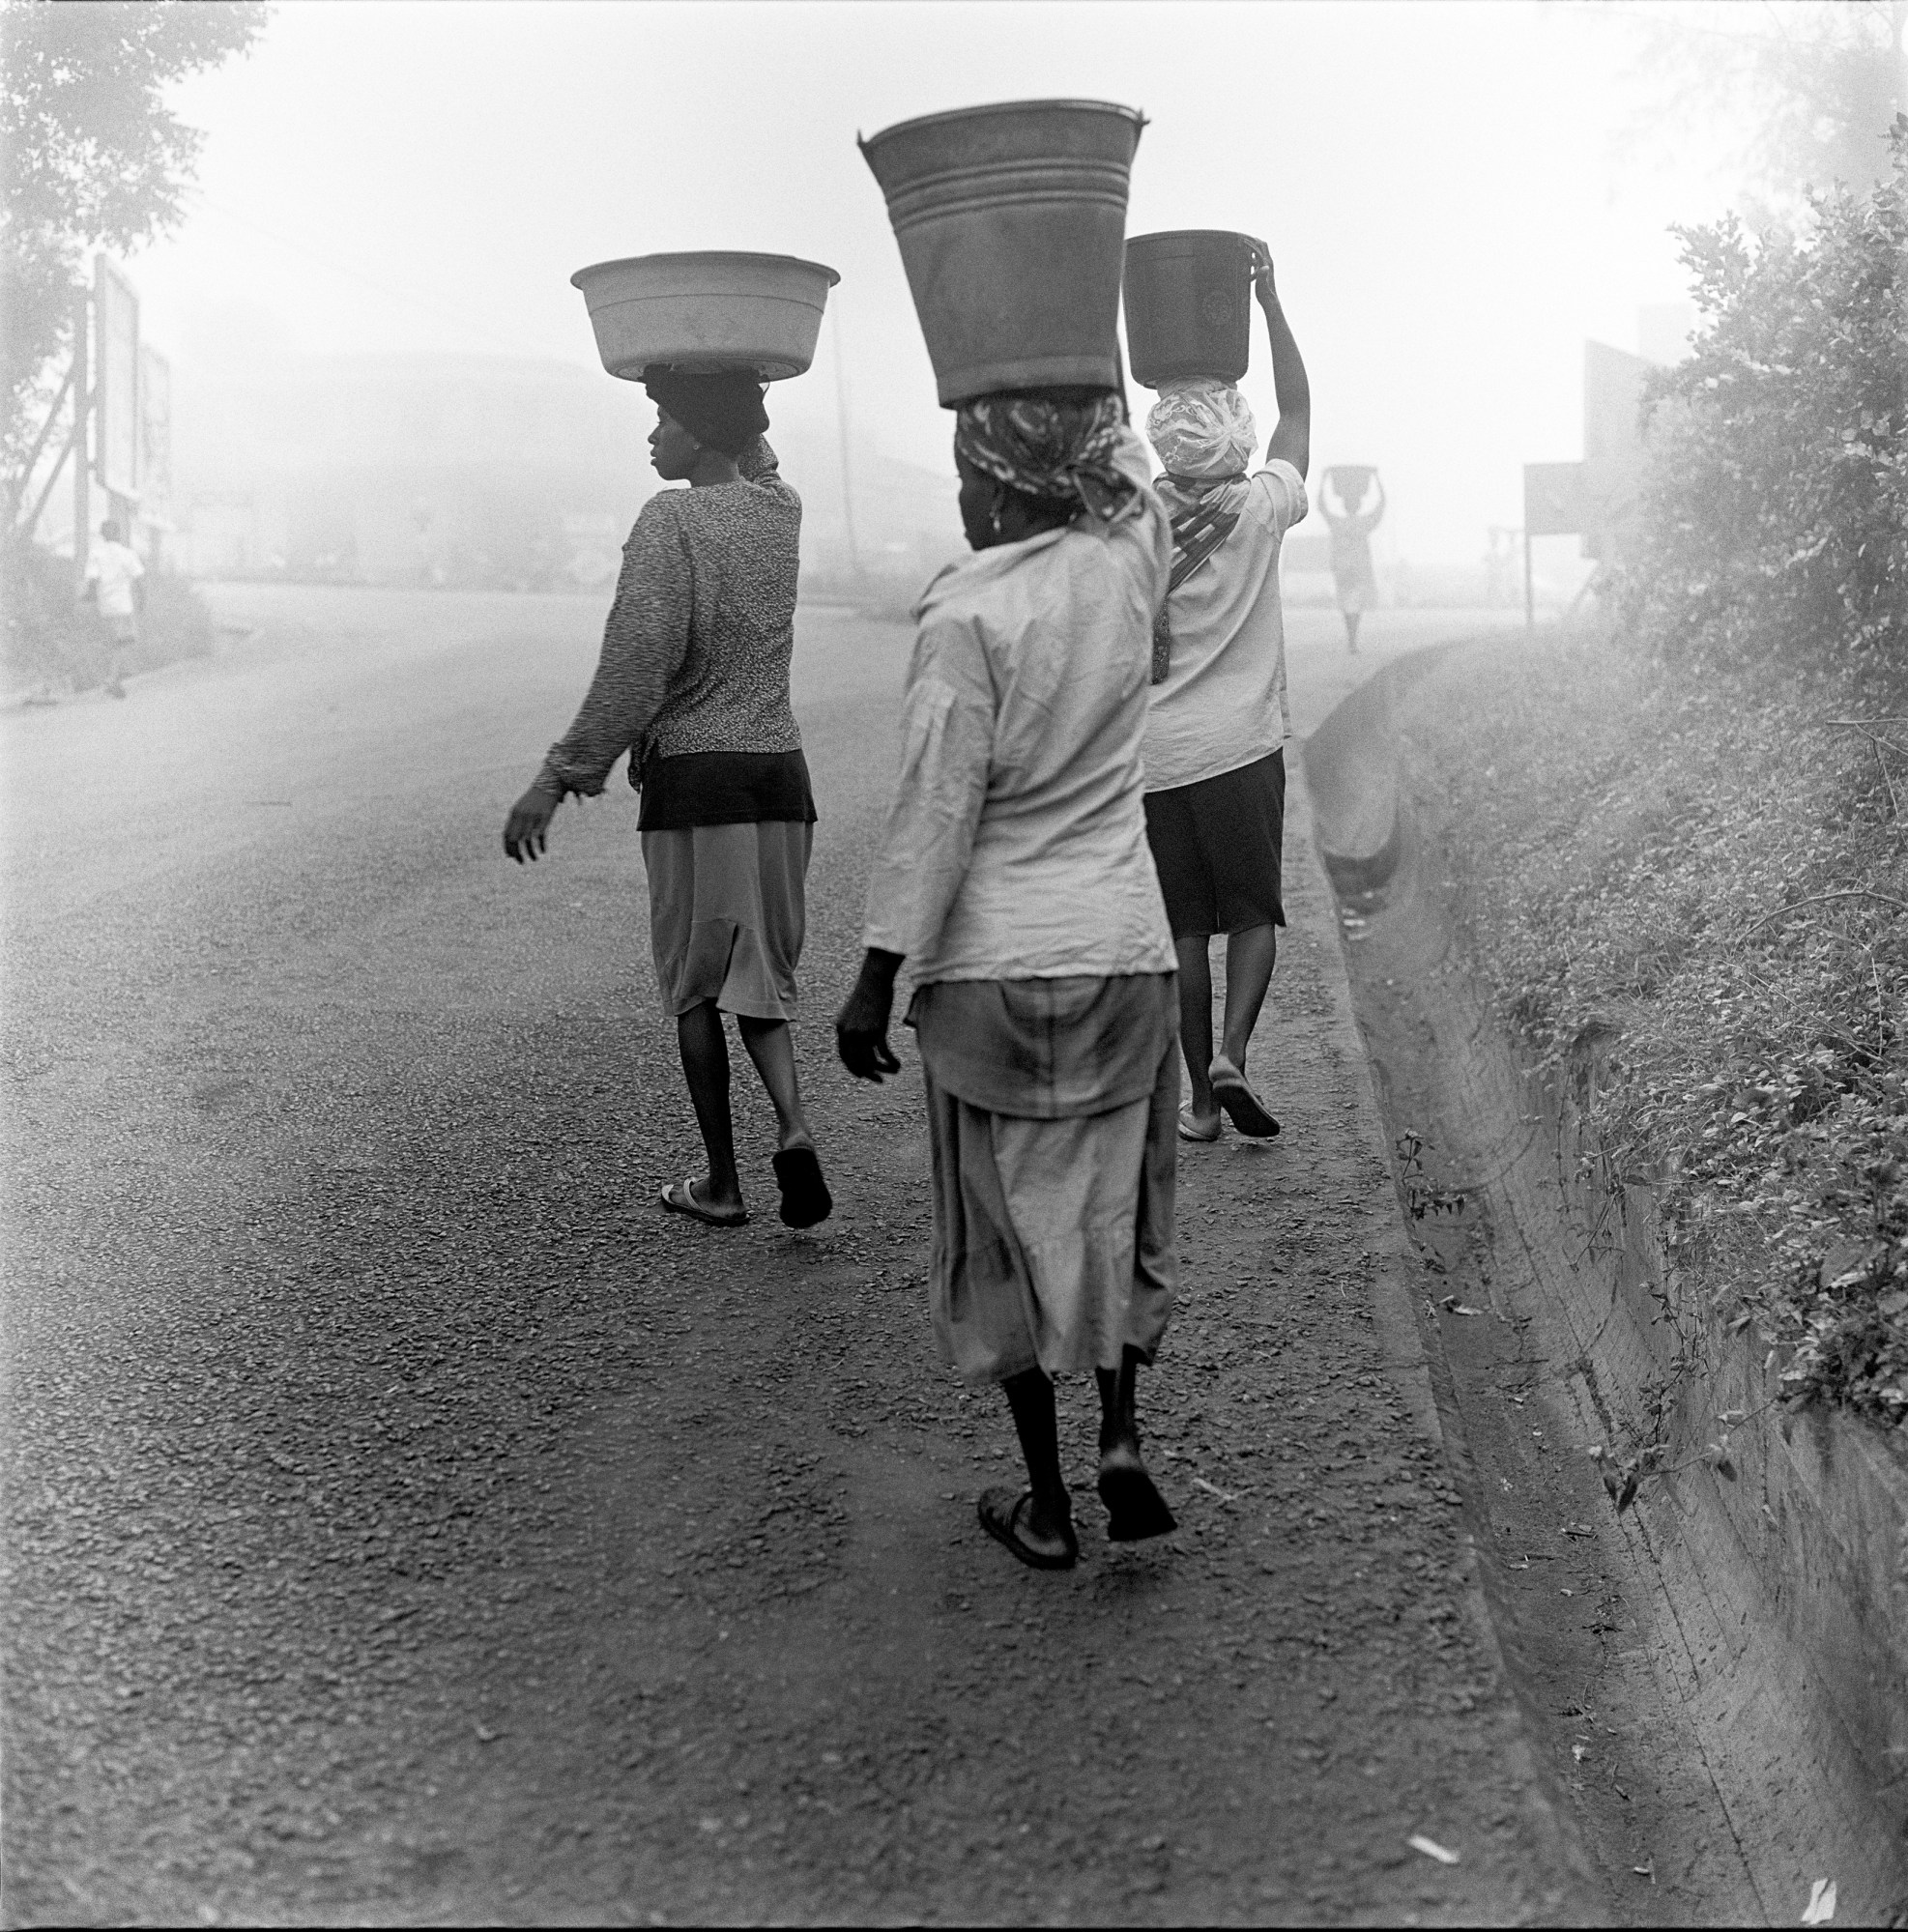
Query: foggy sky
pixel 1443 187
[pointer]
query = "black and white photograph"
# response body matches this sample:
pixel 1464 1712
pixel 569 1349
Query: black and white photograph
pixel 954 963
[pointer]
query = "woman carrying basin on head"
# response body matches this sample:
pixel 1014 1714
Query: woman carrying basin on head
pixel 1013 876
pixel 1217 729
pixel 694 685
pixel 1353 578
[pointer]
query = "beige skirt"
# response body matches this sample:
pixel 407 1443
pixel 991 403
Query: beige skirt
pixel 726 912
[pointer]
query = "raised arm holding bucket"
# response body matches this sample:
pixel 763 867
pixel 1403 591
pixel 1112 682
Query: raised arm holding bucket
pixel 1215 739
pixel 1013 874
pixel 693 685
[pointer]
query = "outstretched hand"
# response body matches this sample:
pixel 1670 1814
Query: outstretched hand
pixel 525 833
pixel 861 1024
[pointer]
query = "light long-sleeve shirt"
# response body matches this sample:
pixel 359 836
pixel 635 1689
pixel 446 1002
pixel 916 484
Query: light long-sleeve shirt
pixel 1015 844
pixel 696 647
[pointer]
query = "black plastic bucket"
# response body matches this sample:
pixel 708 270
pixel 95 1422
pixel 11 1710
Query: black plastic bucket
pixel 1188 305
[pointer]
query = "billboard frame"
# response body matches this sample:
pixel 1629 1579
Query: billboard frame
pixel 116 425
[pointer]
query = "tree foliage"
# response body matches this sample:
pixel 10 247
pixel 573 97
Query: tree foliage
pixel 93 157
pixel 1776 518
pixel 1806 91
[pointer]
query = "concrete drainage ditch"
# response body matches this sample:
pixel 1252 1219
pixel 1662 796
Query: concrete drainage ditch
pixel 1718 1677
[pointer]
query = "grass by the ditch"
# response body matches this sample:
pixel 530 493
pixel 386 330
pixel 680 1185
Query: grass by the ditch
pixel 1709 874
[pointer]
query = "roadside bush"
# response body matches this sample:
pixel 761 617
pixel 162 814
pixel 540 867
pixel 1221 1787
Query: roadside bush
pixel 1681 873
pixel 1776 515
pixel 1682 850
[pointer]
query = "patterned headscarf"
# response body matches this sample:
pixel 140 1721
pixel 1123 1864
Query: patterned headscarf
pixel 1062 452
pixel 1203 430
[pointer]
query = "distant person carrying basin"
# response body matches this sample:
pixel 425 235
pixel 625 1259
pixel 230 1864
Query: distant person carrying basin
pixel 1352 576
pixel 1217 726
pixel 694 685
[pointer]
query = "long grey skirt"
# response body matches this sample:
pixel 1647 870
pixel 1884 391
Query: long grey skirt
pixel 1054 1237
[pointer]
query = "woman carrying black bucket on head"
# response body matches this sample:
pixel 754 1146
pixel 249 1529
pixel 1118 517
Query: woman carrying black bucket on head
pixel 1215 736
pixel 694 685
pixel 1014 878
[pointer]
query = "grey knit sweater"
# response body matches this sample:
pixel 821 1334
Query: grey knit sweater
pixel 697 648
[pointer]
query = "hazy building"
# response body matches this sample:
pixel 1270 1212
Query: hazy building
pixel 408 470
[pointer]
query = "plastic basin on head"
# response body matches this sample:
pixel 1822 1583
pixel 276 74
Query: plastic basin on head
pixel 1011 220
pixel 705 311
pixel 1188 305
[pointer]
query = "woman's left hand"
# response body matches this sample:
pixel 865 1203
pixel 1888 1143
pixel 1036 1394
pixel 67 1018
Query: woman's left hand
pixel 525 833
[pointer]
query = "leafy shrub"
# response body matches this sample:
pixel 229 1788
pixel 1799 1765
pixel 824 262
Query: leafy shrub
pixel 1683 865
pixel 1689 840
pixel 1775 516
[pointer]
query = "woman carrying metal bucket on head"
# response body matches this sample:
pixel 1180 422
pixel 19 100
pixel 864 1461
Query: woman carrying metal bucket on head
pixel 1215 738
pixel 1013 877
pixel 1013 874
pixel 694 684
pixel 1352 576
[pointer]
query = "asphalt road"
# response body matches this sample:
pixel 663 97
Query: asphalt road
pixel 407 1521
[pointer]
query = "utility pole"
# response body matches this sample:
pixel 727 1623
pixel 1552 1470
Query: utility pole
pixel 841 424
pixel 83 396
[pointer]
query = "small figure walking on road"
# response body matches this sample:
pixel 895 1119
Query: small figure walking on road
pixel 115 580
pixel 1351 540
pixel 1013 874
pixel 1217 727
pixel 694 684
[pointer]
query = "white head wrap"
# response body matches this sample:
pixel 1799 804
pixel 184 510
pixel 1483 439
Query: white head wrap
pixel 1203 429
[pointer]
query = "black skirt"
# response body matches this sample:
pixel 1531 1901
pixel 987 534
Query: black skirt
pixel 1219 849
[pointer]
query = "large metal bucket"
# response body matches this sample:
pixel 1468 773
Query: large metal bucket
pixel 1012 221
pixel 1188 305
pixel 701 312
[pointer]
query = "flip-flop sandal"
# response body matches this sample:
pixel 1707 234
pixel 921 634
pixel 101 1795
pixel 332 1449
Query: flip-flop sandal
pixel 1244 1107
pixel 680 1198
pixel 1134 1509
pixel 999 1512
pixel 1189 1130
pixel 805 1196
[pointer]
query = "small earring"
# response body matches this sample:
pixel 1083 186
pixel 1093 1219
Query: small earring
pixel 993 519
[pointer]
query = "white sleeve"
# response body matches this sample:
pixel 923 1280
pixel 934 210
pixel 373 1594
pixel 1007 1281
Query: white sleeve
pixel 1283 489
pixel 946 749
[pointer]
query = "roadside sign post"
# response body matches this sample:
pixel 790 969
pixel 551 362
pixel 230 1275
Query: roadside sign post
pixel 1552 506
pixel 116 408
pixel 82 398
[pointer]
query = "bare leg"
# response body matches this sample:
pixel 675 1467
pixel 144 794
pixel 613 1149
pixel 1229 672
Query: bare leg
pixel 1249 956
pixel 1119 1421
pixel 1047 1519
pixel 705 1049
pixel 1136 1510
pixel 771 1047
pixel 1196 1023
